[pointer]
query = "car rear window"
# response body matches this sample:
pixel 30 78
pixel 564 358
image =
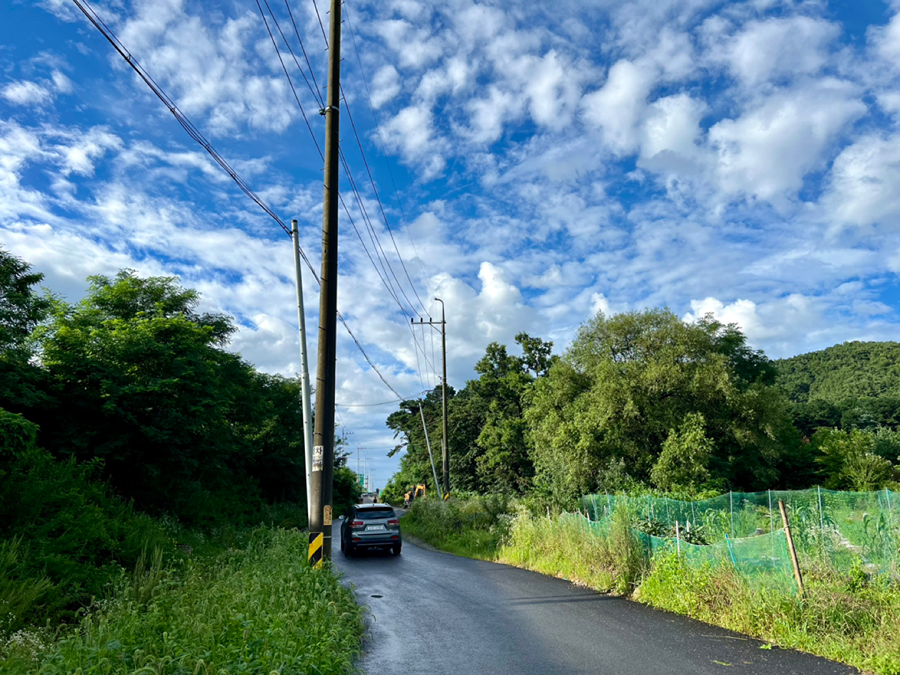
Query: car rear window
pixel 373 514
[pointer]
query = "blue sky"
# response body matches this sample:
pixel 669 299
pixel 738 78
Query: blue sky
pixel 537 162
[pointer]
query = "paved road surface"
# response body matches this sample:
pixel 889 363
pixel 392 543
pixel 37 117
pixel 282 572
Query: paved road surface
pixel 436 613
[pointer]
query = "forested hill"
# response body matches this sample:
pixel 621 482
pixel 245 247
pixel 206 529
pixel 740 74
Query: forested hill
pixel 846 371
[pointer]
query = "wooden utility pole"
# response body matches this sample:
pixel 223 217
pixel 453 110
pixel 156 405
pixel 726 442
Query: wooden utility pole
pixel 445 450
pixel 323 448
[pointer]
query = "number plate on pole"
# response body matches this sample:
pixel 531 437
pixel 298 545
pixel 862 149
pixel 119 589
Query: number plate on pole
pixel 318 454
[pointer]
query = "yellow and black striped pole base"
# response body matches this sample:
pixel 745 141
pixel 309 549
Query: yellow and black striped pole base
pixel 315 549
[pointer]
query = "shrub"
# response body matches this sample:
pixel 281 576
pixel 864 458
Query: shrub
pixel 59 524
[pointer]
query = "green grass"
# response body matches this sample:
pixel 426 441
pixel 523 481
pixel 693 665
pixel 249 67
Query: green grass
pixel 845 616
pixel 254 610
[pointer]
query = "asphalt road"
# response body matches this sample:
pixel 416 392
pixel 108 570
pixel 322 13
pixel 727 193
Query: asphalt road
pixel 436 613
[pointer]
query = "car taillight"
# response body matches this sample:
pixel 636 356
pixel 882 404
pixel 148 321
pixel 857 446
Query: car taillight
pixel 393 521
pixel 356 523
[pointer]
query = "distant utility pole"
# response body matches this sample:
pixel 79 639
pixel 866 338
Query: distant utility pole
pixel 323 450
pixel 445 451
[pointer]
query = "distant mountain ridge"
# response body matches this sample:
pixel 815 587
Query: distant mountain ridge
pixel 844 371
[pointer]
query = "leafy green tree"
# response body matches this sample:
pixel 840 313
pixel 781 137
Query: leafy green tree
pixel 21 309
pixel 488 440
pixel 849 460
pixel 628 380
pixel 146 387
pixel 683 464
pixel 24 388
pixel 69 531
pixel 886 443
pixel 504 458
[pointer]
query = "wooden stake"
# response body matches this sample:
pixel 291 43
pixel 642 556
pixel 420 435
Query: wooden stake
pixel 790 540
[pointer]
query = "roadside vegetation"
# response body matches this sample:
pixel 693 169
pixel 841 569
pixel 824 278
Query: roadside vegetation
pixel 257 609
pixel 151 492
pixel 645 404
pixel 845 615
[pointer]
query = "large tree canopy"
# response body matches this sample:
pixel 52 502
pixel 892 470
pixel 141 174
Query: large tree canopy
pixel 630 382
pixel 182 425
pixel 488 440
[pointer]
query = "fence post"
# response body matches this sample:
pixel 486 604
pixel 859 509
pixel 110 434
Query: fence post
pixel 731 499
pixel 678 538
pixel 608 505
pixel 771 524
pixel 794 563
pixel 888 543
pixel 730 551
pixel 821 525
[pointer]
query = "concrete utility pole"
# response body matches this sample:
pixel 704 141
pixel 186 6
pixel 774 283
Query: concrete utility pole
pixel 446 443
pixel 445 451
pixel 323 450
pixel 304 371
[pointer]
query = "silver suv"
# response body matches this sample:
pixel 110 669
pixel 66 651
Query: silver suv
pixel 370 525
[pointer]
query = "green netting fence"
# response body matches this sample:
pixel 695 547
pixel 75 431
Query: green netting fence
pixel 762 555
pixel 840 529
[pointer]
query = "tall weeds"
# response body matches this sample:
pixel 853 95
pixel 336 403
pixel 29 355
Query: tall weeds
pixel 257 610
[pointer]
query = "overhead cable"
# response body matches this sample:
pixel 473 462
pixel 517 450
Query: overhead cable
pixel 197 136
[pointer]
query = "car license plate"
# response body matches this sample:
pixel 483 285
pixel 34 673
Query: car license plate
pixel 371 528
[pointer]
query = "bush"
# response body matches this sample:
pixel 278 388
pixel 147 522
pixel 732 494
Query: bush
pixel 59 524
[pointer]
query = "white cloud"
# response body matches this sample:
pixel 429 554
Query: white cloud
pixel 62 83
pixel 487 116
pixel 226 70
pixel 672 128
pixel 26 93
pixel 778 48
pixel 416 48
pixel 411 132
pixel 385 85
pixel 865 182
pixel 617 108
pixel 886 40
pixel 768 150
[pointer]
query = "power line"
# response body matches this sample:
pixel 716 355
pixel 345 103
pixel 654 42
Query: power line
pixel 197 136
pixel 284 68
pixel 303 49
pixel 383 259
pixel 321 25
pixel 366 405
pixel 381 206
pixel 355 190
pixel 365 162
pixel 188 126
pixel 387 164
